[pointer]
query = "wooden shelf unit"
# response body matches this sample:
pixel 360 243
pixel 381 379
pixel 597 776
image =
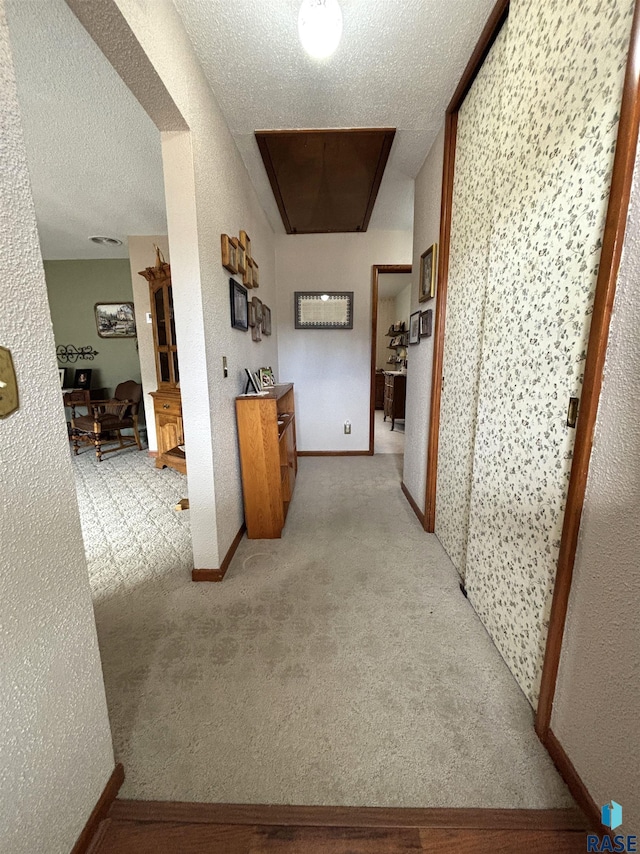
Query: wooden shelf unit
pixel 268 458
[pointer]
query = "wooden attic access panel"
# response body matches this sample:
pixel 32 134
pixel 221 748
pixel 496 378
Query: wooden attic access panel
pixel 325 180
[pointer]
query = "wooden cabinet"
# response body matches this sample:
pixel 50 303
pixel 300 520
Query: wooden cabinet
pixel 167 403
pixel 379 404
pixel 395 391
pixel 168 414
pixel 268 458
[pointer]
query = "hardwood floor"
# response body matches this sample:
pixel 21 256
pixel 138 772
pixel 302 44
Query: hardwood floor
pixel 156 828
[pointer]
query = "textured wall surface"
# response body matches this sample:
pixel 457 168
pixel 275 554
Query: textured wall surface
pixel 471 222
pixel 426 231
pixel 561 93
pixel 74 287
pixel 221 200
pixel 141 255
pixel 331 367
pixel 595 713
pixel 55 741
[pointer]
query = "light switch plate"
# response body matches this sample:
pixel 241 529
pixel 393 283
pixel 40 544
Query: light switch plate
pixel 8 384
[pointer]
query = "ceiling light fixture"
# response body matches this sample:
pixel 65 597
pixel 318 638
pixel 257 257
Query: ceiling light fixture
pixel 320 27
pixel 324 297
pixel 106 241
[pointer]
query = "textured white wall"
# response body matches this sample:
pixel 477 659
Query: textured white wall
pixel 331 368
pixel 55 740
pixel 141 255
pixel 222 201
pixel 426 229
pixel 596 709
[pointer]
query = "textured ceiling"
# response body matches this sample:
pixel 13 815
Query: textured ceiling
pixel 397 65
pixel 93 153
pixel 390 284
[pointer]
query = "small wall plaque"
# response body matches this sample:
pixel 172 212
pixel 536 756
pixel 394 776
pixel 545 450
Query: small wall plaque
pixel 323 309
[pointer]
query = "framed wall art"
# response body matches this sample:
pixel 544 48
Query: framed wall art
pixel 115 319
pixel 328 310
pixel 427 283
pixel 247 276
pixel 246 242
pixel 266 320
pixel 414 328
pixel 229 247
pixel 426 323
pixel 239 309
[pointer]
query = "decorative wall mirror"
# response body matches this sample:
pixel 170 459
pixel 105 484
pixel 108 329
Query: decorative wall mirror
pixel 324 309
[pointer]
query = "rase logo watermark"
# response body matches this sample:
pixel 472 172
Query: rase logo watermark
pixel 611 816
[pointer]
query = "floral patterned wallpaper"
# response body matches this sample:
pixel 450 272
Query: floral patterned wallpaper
pixel 560 85
pixel 471 223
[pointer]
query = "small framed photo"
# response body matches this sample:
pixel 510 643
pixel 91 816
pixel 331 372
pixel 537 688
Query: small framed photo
pixel 267 379
pixel 229 253
pixel 414 328
pixel 241 257
pixel 259 310
pixel 115 319
pixel 255 275
pixel 246 242
pixel 61 374
pixel 247 276
pixel 266 320
pixel 239 309
pixel 426 323
pixel 252 383
pixel 427 283
pixel 82 378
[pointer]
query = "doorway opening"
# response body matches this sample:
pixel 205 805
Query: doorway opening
pixel 390 309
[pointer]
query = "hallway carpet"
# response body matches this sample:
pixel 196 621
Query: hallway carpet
pixel 339 665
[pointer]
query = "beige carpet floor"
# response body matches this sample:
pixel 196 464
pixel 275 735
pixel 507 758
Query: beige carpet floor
pixel 386 440
pixel 338 665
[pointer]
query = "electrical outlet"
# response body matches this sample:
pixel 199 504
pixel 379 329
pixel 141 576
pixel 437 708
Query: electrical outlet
pixel 148 317
pixel 347 427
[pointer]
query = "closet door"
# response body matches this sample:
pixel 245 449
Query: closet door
pixel 561 91
pixel 471 219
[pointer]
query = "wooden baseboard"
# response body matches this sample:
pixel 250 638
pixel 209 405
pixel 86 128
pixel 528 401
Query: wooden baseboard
pixel 335 453
pixel 99 812
pixel 314 816
pixel 573 780
pixel 413 504
pixel 219 574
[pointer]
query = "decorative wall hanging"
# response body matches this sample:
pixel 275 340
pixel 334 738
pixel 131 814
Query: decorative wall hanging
pixel 266 320
pixel 246 242
pixel 255 275
pixel 328 310
pixel 427 284
pixel 426 323
pixel 414 328
pixel 241 258
pixel 239 310
pixel 70 353
pixel 229 246
pixel 247 276
pixel 115 319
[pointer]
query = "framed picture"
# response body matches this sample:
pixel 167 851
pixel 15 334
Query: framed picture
pixel 328 310
pixel 246 242
pixel 426 323
pixel 267 379
pixel 239 310
pixel 255 275
pixel 266 320
pixel 414 328
pixel 115 319
pixel 241 257
pixel 427 284
pixel 229 253
pixel 252 383
pixel 247 276
pixel 61 373
pixel 259 307
pixel 82 378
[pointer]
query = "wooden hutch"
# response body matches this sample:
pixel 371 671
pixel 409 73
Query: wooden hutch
pixel 167 403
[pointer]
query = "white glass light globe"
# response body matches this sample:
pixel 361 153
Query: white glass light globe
pixel 320 27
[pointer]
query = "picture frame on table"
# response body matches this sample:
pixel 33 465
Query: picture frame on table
pixel 428 272
pixel 82 378
pixel 414 328
pixel 61 375
pixel 267 380
pixel 239 306
pixel 426 323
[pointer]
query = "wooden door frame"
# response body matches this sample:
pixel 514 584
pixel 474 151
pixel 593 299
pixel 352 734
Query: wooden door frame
pixel 612 243
pixel 376 269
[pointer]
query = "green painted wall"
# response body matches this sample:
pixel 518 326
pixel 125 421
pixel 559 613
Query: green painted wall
pixel 74 288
